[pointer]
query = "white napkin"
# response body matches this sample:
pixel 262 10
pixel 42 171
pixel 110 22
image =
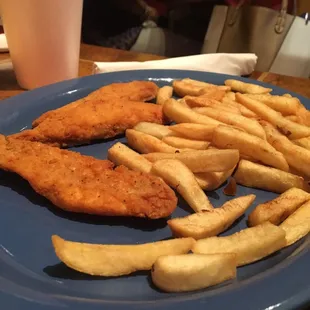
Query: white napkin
pixel 3 43
pixel 234 64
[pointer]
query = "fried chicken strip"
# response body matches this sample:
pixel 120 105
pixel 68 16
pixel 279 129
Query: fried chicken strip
pixel 93 120
pixel 83 184
pixel 133 91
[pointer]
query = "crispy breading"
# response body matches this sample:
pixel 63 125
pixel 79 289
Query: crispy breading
pixel 83 184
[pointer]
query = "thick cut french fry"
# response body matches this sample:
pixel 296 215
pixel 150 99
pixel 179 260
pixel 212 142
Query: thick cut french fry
pixel 182 114
pixel 178 176
pixel 202 101
pixel 163 94
pixel 206 85
pixel 247 88
pixel 277 210
pixel 145 143
pixel 293 118
pixel 201 161
pixel 184 143
pixel 271 179
pixel 250 244
pixel 297 225
pixel 303 142
pixel 210 181
pixel 116 260
pixel 212 93
pixel 284 105
pixel 303 116
pixel 230 138
pixel 182 273
pixel 182 88
pixel 249 125
pixel 291 129
pixel 211 223
pixel 296 156
pixel 120 154
pixel 230 95
pixel 243 110
pixel 156 130
pixel 194 131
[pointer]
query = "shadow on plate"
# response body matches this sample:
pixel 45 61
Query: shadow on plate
pixel 61 271
pixel 22 187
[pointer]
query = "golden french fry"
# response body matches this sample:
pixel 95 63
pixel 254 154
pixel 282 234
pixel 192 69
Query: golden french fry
pixel 297 156
pixel 210 181
pixel 249 125
pixel 183 143
pixel 182 88
pixel 116 260
pixel 230 138
pixel 145 143
pixel 303 142
pixel 205 85
pixel 178 176
pixel 182 114
pixel 182 273
pixel 201 161
pixel 212 93
pixel 277 210
pixel 284 105
pixel 303 116
pixel 163 94
pixel 250 244
pixel 194 131
pixel 201 101
pixel 291 129
pixel 287 95
pixel 247 88
pixel 297 225
pixel 211 223
pixel 293 118
pixel 120 154
pixel 243 110
pixel 230 96
pixel 155 130
pixel 271 179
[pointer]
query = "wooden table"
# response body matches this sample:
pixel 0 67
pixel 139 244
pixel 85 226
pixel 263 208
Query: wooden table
pixel 90 53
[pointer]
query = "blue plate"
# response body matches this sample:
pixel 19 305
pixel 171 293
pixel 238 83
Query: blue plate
pixel 31 276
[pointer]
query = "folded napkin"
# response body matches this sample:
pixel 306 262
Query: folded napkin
pixel 234 64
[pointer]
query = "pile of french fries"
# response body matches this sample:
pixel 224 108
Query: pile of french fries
pixel 238 131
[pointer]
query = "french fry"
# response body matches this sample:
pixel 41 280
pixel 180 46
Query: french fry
pixel 247 88
pixel 291 129
pixel 201 161
pixel 297 225
pixel 243 110
pixel 230 95
pixel 297 156
pixel 182 273
pixel 303 116
pixel 194 131
pixel 210 181
pixel 182 114
pixel 116 260
pixel 303 142
pixel 249 125
pixel 178 176
pixel 163 94
pixel 277 210
pixel 230 138
pixel 182 88
pixel 120 154
pixel 287 95
pixel 201 101
pixel 270 179
pixel 206 85
pixel 155 130
pixel 284 105
pixel 212 93
pixel 183 143
pixel 293 118
pixel 250 244
pixel 145 143
pixel 211 223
